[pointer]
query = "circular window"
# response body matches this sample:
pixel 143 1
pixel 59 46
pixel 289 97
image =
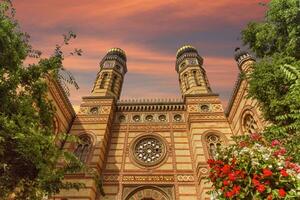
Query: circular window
pixel 122 118
pixel 149 150
pixel 162 118
pixel 149 118
pixel 136 118
pixel 204 108
pixel 177 118
pixel 94 110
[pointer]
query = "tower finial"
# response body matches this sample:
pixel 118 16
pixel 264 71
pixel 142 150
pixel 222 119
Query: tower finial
pixel 192 77
pixel 111 74
pixel 242 56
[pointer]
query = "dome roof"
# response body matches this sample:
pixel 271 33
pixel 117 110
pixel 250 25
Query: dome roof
pixel 118 52
pixel 239 53
pixel 185 49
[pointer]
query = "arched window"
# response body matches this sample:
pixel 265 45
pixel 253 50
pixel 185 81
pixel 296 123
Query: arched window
pixel 103 80
pixel 196 78
pixel 55 125
pixel 250 125
pixel 186 81
pixel 83 148
pixel 113 83
pixel 213 143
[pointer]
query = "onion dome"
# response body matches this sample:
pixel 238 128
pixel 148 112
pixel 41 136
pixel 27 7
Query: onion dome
pixel 115 54
pixel 187 51
pixel 241 56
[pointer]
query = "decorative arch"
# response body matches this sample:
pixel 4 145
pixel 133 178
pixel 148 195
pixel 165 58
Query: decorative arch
pixel 113 83
pixel 186 81
pixel 249 121
pixel 211 140
pixel 84 148
pixel 104 78
pixel 148 193
pixel 196 77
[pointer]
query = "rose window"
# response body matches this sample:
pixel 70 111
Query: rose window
pixel 149 150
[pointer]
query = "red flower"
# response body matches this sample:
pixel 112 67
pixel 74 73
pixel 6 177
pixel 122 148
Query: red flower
pixel 269 197
pixel 210 161
pixel 236 189
pixel 282 192
pixel 231 176
pixel 255 136
pixel 284 173
pixel 255 182
pixel 226 182
pixel 261 188
pixel 267 172
pixel 243 144
pixel 226 169
pixel 229 194
pixel 280 151
pixel 275 143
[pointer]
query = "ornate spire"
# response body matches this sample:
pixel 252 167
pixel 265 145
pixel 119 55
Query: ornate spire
pixel 187 51
pixel 115 54
pixel 242 56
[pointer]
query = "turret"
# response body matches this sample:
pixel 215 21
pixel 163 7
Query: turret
pixel 111 74
pixel 244 60
pixel 192 76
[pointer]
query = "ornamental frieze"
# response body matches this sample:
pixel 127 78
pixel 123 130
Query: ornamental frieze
pixel 203 100
pixel 91 119
pixel 185 178
pixel 111 178
pixel 205 108
pixel 207 117
pixel 153 128
pixel 153 178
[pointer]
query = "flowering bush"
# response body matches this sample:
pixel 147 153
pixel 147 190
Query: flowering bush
pixel 254 169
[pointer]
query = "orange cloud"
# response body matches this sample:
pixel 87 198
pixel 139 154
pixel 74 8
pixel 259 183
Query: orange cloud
pixel 150 31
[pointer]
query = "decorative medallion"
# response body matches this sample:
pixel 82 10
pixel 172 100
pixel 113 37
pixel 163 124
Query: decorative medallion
pixel 136 118
pixel 162 118
pixel 94 110
pixel 204 108
pixel 122 118
pixel 148 150
pixel 177 117
pixel 149 118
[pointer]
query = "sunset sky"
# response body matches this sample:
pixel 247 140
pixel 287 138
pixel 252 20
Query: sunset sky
pixel 150 32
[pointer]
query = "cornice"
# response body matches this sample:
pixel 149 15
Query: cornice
pixel 151 105
pixel 58 92
pixel 233 94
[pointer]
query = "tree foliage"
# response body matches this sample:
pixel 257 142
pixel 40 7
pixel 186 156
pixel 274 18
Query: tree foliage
pixel 274 81
pixel 28 153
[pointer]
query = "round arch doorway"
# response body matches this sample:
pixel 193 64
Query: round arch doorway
pixel 147 193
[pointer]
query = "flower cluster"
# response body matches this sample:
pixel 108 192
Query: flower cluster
pixel 254 169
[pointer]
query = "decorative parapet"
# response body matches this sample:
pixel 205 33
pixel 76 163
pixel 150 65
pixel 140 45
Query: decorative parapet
pixel 151 105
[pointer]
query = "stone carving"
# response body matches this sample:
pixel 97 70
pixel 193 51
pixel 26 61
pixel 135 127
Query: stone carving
pixel 185 178
pixel 111 178
pixel 105 109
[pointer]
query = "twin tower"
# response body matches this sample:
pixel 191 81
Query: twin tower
pixel 192 76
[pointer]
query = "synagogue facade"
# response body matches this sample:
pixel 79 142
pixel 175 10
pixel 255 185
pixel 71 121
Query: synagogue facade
pixel 153 149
